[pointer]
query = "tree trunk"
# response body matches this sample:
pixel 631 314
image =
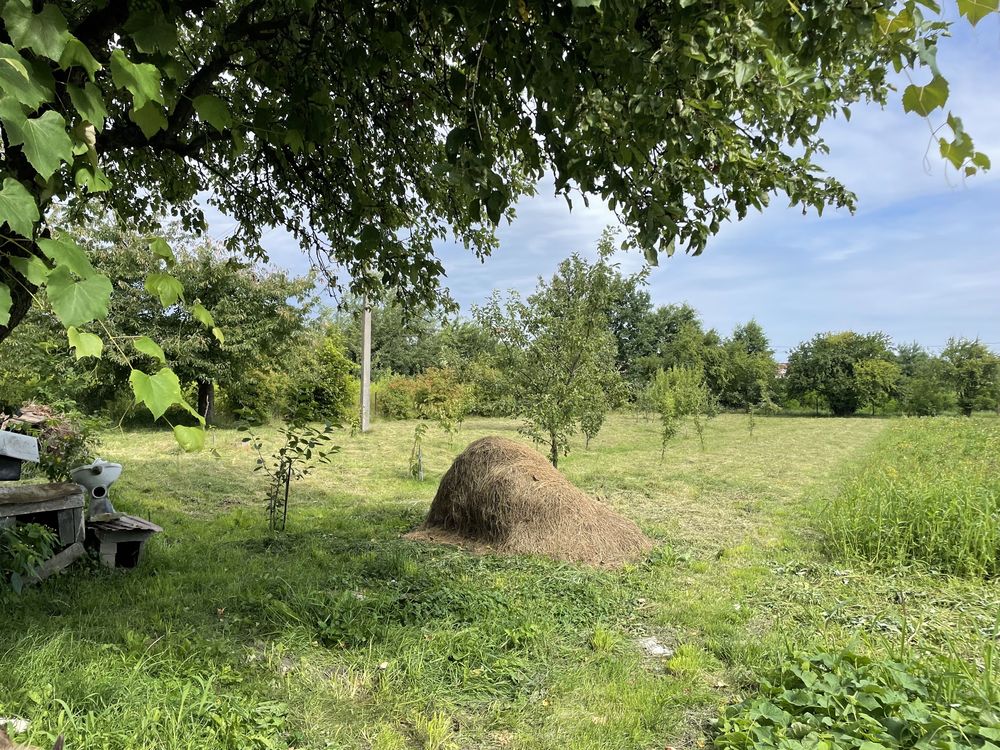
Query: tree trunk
pixel 21 290
pixel 553 450
pixel 206 399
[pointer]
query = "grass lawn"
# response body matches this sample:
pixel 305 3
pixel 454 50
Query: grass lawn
pixel 337 633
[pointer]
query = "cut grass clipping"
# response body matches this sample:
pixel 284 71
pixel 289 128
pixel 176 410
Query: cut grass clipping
pixel 929 495
pixel 833 701
pixel 503 496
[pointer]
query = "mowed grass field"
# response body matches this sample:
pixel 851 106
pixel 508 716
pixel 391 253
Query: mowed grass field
pixel 339 634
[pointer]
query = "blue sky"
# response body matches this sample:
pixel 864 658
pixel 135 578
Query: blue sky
pixel 918 260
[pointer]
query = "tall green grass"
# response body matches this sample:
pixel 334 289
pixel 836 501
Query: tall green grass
pixel 928 495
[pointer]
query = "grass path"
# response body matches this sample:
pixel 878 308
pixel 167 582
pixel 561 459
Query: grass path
pixel 340 634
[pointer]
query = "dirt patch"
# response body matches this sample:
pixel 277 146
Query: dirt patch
pixel 502 496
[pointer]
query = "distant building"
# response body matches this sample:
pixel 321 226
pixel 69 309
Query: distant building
pixel 781 369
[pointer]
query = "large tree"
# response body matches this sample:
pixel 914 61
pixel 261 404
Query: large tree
pixel 827 366
pixel 973 371
pixel 371 129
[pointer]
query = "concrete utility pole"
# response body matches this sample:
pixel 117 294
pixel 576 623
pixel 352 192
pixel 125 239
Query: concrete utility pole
pixel 366 365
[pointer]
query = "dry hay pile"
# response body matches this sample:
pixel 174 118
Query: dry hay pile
pixel 503 496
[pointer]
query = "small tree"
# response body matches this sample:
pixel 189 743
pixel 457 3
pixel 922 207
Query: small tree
pixel 974 372
pixel 303 449
pixel 556 349
pixel 680 394
pixel 877 380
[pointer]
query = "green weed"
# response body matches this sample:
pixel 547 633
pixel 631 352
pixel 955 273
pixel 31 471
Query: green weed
pixel 928 495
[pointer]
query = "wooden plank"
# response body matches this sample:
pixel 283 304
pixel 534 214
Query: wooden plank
pixel 58 562
pixel 70 526
pixel 14 445
pixel 62 503
pixel 21 494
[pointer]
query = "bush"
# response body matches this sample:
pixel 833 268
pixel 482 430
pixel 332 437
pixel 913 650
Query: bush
pixel 22 549
pixel 65 441
pixel 262 396
pixel 849 701
pixel 929 494
pixel 434 394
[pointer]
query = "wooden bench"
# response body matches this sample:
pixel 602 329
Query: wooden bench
pixel 57 505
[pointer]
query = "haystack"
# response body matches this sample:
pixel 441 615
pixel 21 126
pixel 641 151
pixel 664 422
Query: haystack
pixel 505 497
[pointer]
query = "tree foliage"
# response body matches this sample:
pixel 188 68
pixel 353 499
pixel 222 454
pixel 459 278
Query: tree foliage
pixel 827 366
pixel 556 350
pixel 973 371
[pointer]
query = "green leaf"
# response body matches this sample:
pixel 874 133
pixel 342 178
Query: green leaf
pixel 89 103
pixel 85 344
pixel 45 33
pixel 77 302
pixel 150 348
pixel 160 249
pixel 158 392
pixel 18 81
pixel 91 178
pixel 150 119
pixel 219 335
pixel 6 302
pixel 18 208
pixel 77 54
pixel 65 252
pixel 202 315
pixel 977 10
pixel 31 268
pixel 213 110
pixel 142 79
pixel 189 438
pixel 151 31
pixel 925 99
pixel 744 72
pixel 164 286
pixel 44 140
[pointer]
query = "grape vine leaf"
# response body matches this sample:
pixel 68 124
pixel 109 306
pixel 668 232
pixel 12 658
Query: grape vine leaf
pixel 5 304
pixel 165 287
pixel 141 79
pixel 976 10
pixel 925 99
pixel 18 208
pixel 89 103
pixel 65 252
pixel 202 315
pixel 31 268
pixel 161 249
pixel 147 346
pixel 149 118
pixel 17 81
pixel 85 344
pixel 77 302
pixel 158 392
pixel 76 53
pixel 213 110
pixel 43 139
pixel 190 439
pixel 46 32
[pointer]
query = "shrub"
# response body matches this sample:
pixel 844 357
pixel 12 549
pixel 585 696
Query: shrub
pixel 65 441
pixel 22 549
pixel 929 494
pixel 435 394
pixel 322 386
pixel 849 701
